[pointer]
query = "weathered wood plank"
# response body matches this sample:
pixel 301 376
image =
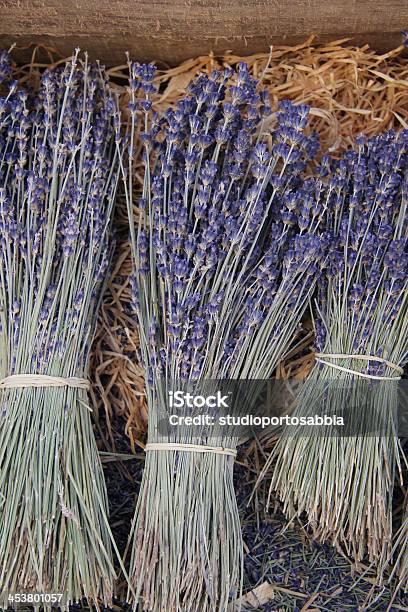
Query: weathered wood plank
pixel 177 29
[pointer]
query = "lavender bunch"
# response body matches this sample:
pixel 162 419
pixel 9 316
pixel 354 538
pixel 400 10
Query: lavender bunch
pixel 226 253
pixel 59 170
pixel 344 484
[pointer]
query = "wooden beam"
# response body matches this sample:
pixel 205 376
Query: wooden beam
pixel 173 30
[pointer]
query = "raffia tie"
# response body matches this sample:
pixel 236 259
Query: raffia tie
pixel 335 366
pixel 189 448
pixel 22 381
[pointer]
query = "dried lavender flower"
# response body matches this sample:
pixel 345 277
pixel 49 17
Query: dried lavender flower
pixel 344 483
pixel 59 170
pixel 222 273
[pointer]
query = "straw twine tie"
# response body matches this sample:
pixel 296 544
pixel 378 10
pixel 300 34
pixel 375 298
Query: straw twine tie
pixel 337 356
pixel 23 381
pixel 189 448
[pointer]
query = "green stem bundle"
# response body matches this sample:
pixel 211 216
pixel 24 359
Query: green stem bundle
pixel 340 483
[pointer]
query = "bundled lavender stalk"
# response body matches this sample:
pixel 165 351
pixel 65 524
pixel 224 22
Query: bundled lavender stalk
pixel 225 258
pixel 344 483
pixel 59 161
